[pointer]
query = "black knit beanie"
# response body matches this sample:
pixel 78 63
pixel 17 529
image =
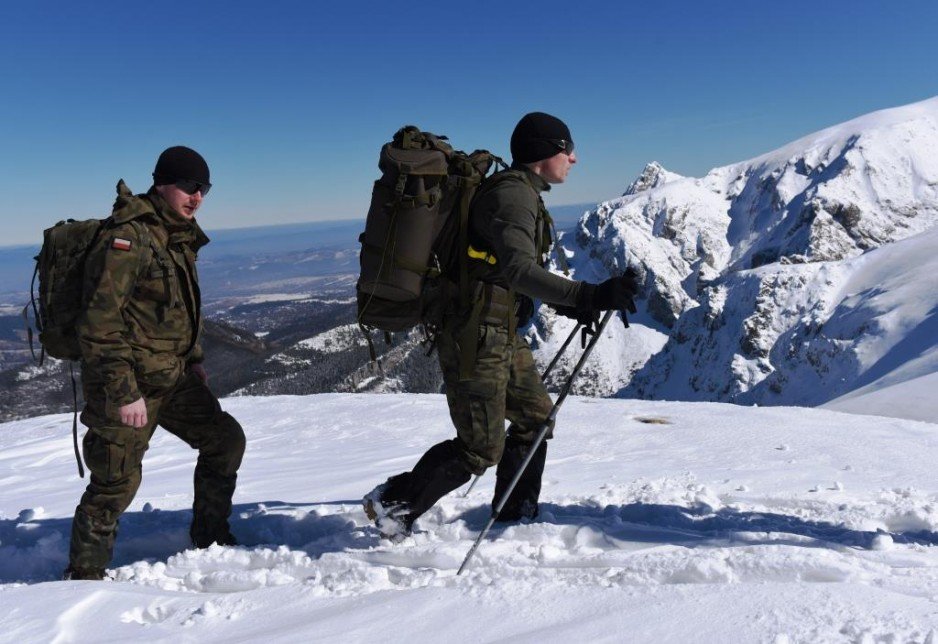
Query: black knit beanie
pixel 180 162
pixel 529 140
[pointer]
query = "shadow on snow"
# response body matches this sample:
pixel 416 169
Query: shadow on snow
pixel 701 525
pixel 36 550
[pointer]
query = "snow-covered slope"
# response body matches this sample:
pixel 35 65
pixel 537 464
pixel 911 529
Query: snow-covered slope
pixel 792 278
pixel 913 398
pixel 661 522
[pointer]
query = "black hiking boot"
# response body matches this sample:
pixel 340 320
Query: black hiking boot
pixel 390 517
pixel 203 541
pixel 522 504
pixel 396 504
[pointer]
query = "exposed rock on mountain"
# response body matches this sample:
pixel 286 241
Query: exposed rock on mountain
pixel 762 279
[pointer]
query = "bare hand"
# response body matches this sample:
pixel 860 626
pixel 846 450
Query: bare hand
pixel 199 370
pixel 134 414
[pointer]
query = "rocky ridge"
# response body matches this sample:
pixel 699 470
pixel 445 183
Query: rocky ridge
pixel 746 270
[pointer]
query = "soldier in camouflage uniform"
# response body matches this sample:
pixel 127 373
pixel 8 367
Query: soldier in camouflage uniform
pixel 141 362
pixel 488 369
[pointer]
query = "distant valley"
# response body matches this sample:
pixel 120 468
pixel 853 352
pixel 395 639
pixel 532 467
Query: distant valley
pixel 279 303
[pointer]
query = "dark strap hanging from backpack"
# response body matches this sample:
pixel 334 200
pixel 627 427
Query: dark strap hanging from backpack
pixel 81 467
pixel 36 317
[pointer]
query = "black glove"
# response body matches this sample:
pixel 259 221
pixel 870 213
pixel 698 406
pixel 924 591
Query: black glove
pixel 616 293
pixel 586 317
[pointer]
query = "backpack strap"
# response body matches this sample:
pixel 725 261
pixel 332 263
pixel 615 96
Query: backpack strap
pixel 71 371
pixel 554 239
pixel 469 340
pixel 468 187
pixel 547 231
pixel 36 317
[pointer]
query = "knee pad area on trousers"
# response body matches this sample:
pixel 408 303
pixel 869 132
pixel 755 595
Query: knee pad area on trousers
pixel 228 444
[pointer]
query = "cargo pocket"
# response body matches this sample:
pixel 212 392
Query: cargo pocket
pixel 159 369
pixel 157 383
pixel 106 453
pixel 157 282
pixel 491 358
pixel 483 430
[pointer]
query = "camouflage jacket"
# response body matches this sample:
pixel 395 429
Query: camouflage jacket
pixel 142 316
pixel 508 219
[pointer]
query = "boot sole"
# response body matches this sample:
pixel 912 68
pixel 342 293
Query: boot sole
pixel 369 506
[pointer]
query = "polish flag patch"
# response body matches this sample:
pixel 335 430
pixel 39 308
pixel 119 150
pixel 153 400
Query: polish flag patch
pixel 120 244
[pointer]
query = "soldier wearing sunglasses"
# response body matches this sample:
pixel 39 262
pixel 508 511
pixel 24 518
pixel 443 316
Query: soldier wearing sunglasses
pixel 488 367
pixel 142 362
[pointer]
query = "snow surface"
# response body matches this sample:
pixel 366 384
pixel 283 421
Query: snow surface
pixel 661 522
pixel 913 398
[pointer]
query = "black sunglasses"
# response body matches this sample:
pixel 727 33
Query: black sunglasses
pixel 564 145
pixel 190 187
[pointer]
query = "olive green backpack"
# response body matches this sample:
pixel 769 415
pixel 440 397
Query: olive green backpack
pixel 60 269
pixel 412 265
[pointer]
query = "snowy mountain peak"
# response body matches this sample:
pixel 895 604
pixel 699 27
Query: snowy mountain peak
pixel 792 278
pixel 652 176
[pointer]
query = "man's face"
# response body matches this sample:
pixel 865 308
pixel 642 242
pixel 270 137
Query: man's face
pixel 178 200
pixel 554 169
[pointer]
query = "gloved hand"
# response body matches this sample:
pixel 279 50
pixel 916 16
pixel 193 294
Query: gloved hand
pixel 616 293
pixel 586 317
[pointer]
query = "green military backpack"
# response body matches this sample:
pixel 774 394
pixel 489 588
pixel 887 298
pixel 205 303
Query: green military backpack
pixel 60 269
pixel 413 257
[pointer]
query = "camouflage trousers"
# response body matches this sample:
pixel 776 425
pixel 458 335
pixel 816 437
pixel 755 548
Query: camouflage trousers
pixel 114 453
pixel 504 384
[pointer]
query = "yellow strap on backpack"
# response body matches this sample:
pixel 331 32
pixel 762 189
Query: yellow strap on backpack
pixel 482 255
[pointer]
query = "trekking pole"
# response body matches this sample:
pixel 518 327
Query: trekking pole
pixel 563 349
pixel 537 441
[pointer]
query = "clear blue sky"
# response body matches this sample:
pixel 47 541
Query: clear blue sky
pixel 290 101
